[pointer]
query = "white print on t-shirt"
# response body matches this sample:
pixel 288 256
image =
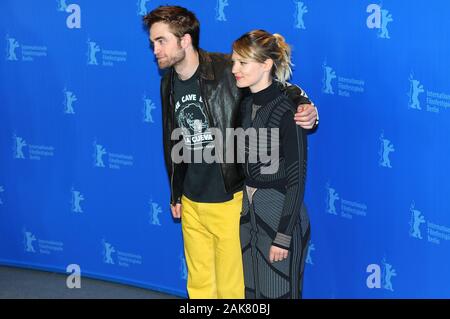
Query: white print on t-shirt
pixel 194 123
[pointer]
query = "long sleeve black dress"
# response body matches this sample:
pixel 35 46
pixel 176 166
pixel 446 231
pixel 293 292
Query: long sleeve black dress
pixel 273 210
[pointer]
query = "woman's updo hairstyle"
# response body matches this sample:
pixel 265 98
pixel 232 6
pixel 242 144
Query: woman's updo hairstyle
pixel 260 45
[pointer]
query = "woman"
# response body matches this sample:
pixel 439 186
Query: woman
pixel 275 226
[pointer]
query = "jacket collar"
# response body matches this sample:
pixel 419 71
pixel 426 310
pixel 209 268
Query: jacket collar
pixel 205 66
pixel 206 69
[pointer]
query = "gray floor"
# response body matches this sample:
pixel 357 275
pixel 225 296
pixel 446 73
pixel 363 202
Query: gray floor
pixel 22 283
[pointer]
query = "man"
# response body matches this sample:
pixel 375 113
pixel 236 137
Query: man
pixel 199 93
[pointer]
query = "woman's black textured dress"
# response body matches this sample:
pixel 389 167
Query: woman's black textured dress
pixel 273 210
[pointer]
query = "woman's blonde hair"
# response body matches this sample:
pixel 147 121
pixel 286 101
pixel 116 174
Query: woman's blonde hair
pixel 260 45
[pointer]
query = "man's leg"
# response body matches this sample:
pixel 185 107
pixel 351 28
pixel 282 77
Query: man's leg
pixel 222 220
pixel 199 251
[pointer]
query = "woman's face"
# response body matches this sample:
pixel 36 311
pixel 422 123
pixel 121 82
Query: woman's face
pixel 250 73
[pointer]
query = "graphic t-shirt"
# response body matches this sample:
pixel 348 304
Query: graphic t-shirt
pixel 203 182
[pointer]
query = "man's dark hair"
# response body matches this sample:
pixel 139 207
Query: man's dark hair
pixel 181 21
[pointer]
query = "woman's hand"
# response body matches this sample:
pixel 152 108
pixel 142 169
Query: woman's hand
pixel 277 254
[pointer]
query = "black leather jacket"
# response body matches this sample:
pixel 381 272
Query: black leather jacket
pixel 221 98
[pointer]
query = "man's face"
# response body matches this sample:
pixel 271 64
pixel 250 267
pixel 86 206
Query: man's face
pixel 166 46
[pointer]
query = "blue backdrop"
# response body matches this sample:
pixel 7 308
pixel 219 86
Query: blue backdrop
pixel 82 179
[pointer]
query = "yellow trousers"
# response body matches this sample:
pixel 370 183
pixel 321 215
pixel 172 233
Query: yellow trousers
pixel 212 248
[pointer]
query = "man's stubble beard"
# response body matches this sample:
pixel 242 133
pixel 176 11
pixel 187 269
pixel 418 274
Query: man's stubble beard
pixel 180 56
